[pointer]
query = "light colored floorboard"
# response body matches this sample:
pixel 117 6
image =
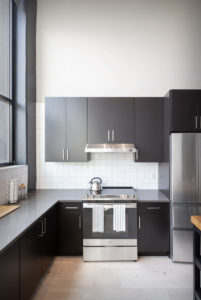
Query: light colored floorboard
pixel 150 278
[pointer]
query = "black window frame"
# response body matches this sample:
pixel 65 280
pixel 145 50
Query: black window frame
pixel 11 101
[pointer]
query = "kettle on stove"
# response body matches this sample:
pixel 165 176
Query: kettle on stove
pixel 95 184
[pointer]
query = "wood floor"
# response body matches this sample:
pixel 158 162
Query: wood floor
pixel 150 278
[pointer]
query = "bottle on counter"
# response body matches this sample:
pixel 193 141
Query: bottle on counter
pixel 13 191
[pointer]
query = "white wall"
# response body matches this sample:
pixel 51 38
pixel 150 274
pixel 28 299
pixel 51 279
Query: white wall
pixel 117 47
pixel 112 48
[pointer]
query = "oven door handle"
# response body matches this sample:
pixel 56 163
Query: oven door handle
pixel 109 205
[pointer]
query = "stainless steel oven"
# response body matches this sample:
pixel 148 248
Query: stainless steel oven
pixel 110 244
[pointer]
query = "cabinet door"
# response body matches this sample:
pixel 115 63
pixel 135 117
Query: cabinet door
pixel 70 229
pixel 184 110
pixel 153 234
pixel 9 266
pixel 100 111
pixel 49 238
pixel 55 129
pixel 123 120
pixel 149 129
pixel 110 120
pixel 76 129
pixel 31 259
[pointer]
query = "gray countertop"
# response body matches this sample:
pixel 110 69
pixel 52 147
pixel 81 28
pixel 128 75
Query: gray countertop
pixel 39 201
pixel 151 195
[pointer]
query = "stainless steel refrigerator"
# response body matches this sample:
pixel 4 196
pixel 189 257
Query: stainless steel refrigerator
pixel 185 192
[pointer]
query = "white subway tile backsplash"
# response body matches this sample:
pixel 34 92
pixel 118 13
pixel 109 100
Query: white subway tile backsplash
pixel 12 172
pixel 116 169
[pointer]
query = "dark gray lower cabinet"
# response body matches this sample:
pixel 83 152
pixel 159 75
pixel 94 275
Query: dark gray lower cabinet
pixel 148 120
pixel 154 228
pixel 37 250
pixel 9 268
pixel 70 228
pixel 31 259
pixel 49 238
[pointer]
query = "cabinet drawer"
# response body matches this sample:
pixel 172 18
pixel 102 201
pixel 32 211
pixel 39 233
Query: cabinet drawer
pixel 109 253
pixel 153 207
pixel 181 215
pixel 71 208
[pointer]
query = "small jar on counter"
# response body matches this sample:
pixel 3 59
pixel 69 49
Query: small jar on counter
pixel 22 191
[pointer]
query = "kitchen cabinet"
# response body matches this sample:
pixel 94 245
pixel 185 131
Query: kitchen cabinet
pixel 49 237
pixel 76 129
pixel 184 110
pixel 70 228
pixel 149 113
pixel 153 228
pixel 65 129
pixel 9 266
pixel 110 120
pixel 55 129
pixel 37 250
pixel 31 259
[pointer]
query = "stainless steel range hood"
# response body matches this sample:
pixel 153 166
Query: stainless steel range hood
pixel 104 148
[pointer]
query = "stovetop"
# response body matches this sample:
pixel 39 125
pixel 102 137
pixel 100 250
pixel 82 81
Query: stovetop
pixel 111 194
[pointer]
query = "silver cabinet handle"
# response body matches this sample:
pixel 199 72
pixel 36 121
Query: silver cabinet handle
pixel 108 135
pixel 42 229
pixel 44 225
pixel 200 122
pixel 136 155
pixel 67 154
pixel 80 221
pixel 139 222
pixel 153 207
pixel 113 135
pixel 196 122
pixel 63 154
pixel 71 207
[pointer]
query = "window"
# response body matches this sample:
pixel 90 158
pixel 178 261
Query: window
pixel 6 68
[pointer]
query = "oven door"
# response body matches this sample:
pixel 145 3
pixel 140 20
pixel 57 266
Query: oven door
pixel 108 233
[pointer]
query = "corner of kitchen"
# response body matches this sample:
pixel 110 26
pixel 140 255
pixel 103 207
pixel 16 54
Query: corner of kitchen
pixel 100 150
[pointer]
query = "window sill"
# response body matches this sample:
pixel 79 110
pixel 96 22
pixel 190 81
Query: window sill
pixel 10 166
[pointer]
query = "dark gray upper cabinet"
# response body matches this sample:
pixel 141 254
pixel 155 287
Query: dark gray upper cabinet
pixel 110 120
pixel 76 129
pixel 55 129
pixel 123 120
pixel 149 129
pixel 184 110
pixel 65 129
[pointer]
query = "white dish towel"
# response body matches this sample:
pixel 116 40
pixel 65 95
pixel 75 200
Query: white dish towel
pixel 98 218
pixel 119 217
